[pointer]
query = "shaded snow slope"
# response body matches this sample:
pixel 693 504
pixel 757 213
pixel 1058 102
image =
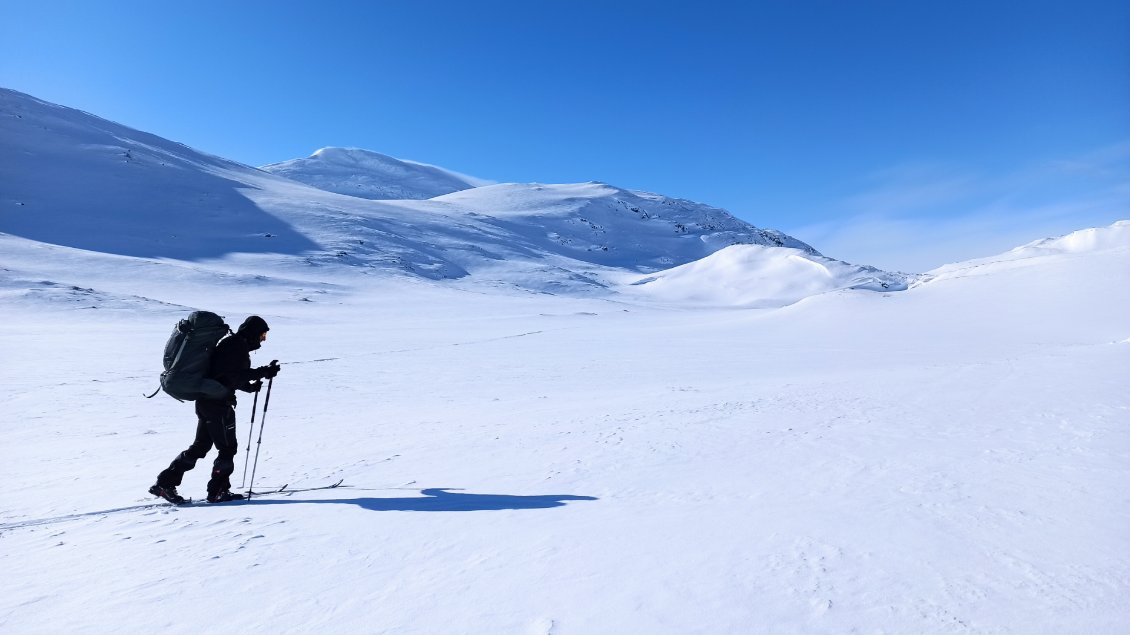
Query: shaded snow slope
pixel 368 174
pixel 759 276
pixel 74 179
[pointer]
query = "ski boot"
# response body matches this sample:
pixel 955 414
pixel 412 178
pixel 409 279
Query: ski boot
pixel 224 496
pixel 167 492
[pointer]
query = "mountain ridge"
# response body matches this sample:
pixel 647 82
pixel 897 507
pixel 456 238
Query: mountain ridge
pixel 80 181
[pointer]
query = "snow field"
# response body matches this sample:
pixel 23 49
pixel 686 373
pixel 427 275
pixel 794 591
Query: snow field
pixel 935 460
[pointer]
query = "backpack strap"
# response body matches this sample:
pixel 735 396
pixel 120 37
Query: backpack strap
pixel 188 331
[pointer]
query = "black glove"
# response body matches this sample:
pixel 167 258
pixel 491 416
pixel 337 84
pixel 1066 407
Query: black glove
pixel 255 386
pixel 268 372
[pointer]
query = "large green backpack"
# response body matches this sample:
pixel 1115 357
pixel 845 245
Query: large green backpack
pixel 188 354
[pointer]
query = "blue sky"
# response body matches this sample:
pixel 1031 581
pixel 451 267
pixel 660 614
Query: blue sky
pixel 899 134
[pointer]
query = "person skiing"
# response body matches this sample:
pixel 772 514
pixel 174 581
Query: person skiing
pixel 231 366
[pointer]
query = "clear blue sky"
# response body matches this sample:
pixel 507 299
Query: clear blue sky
pixel 898 133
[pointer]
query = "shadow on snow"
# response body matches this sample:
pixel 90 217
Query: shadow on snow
pixel 438 499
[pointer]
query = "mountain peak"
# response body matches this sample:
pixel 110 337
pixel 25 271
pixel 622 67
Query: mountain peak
pixel 372 175
pixel 336 154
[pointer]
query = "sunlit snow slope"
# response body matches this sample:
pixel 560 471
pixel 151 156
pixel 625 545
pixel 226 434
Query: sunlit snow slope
pixel 372 175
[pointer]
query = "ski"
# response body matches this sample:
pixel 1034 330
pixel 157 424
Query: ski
pixel 286 489
pixel 187 502
pixel 144 506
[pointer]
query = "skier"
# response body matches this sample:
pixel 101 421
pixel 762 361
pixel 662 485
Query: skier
pixel 231 366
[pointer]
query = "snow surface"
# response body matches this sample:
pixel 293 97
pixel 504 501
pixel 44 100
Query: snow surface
pixel 368 174
pixel 948 458
pixel 759 276
pixel 1083 242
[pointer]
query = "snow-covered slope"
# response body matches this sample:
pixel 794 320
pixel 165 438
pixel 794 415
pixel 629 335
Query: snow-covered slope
pixel 603 224
pixel 1084 242
pixel 70 178
pixel 952 458
pixel 1116 236
pixel 368 174
pixel 759 276
pixel 75 180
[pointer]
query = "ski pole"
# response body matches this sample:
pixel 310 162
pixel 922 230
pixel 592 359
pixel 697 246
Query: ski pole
pixel 251 431
pixel 262 423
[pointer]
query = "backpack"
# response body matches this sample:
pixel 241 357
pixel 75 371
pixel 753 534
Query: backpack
pixel 188 353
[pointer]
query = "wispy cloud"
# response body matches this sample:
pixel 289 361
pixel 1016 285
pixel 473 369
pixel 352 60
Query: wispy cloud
pixel 1109 161
pixel 918 217
pixel 911 187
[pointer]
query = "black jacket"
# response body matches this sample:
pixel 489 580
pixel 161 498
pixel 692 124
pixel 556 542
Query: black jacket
pixel 231 366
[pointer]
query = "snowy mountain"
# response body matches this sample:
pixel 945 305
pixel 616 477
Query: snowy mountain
pixel 601 223
pixel 70 178
pixel 75 180
pixel 371 175
pixel 619 452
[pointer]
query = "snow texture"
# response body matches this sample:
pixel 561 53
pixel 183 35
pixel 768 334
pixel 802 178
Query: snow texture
pixel 758 276
pixel 368 174
pixel 950 458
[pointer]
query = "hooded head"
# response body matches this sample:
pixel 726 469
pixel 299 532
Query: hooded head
pixel 252 330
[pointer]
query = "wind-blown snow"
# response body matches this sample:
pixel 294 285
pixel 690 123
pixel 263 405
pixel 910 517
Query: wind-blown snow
pixel 949 458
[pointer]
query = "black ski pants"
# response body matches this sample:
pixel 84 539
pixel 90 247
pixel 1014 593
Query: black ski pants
pixel 215 426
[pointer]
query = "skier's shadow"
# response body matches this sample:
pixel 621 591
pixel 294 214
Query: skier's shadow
pixel 439 499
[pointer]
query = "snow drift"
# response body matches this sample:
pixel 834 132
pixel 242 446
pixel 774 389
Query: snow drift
pixel 759 276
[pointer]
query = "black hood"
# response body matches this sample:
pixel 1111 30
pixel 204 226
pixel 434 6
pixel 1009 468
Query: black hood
pixel 251 329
